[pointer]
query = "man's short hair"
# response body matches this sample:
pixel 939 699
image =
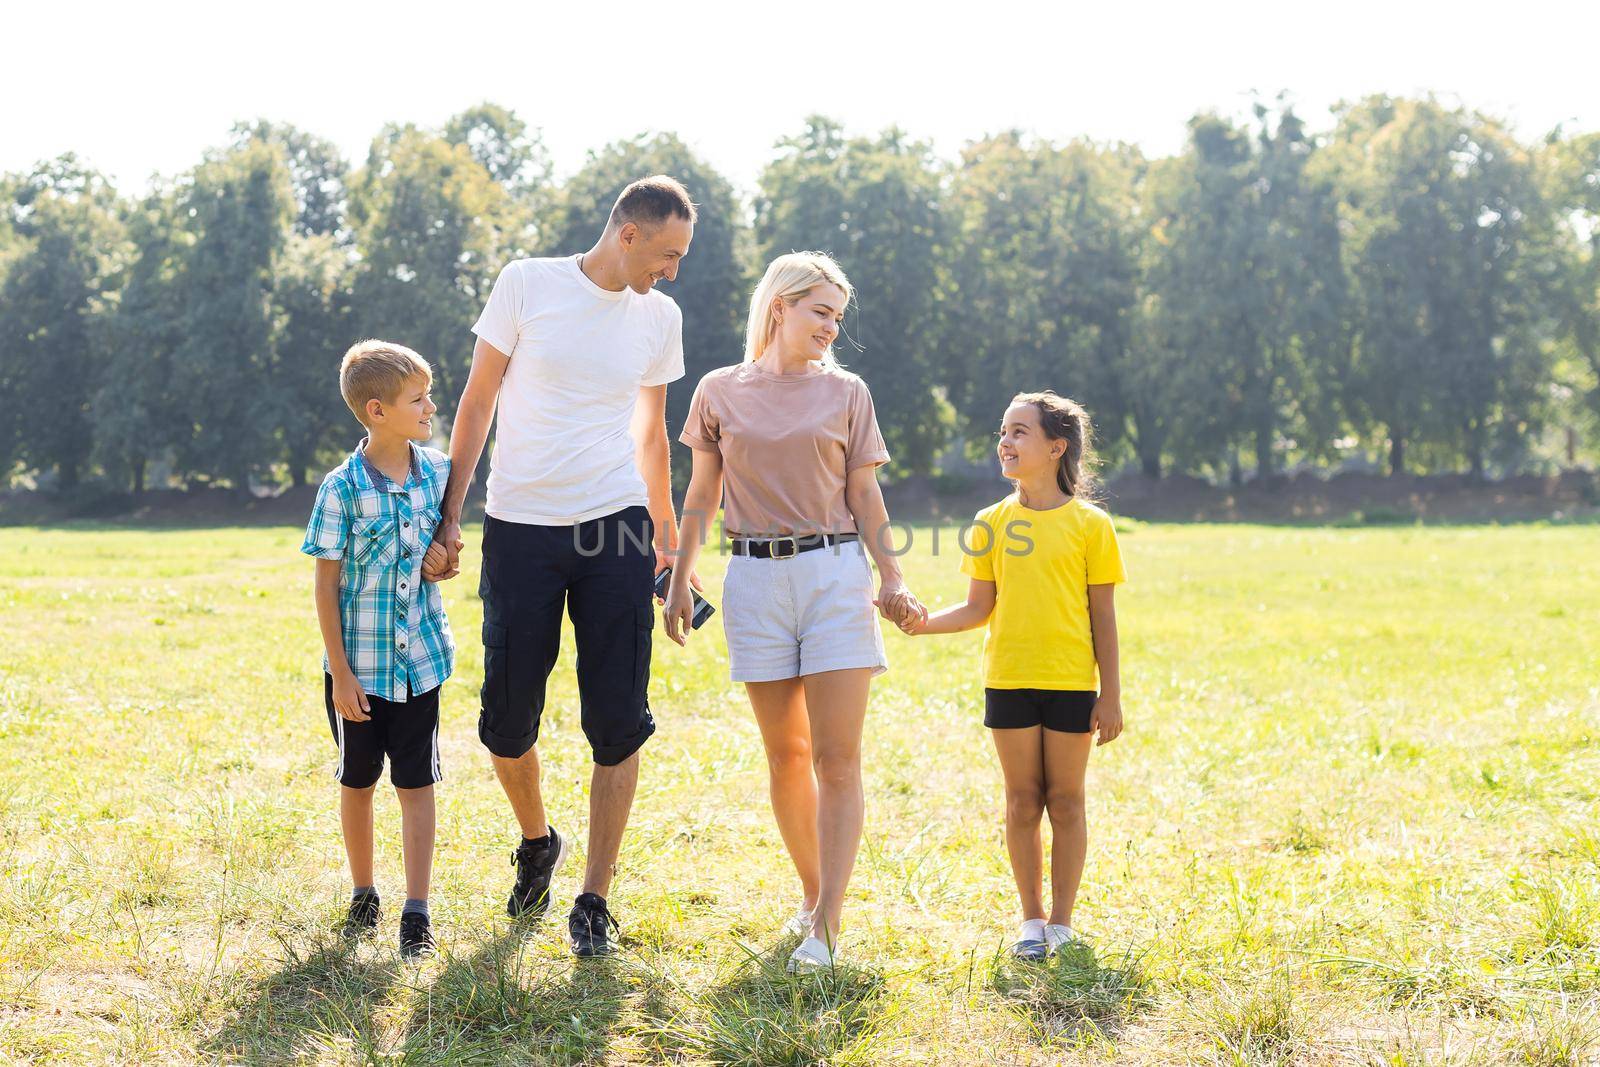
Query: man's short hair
pixel 378 370
pixel 651 201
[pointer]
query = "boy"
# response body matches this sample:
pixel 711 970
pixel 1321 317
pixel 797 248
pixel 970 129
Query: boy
pixel 387 641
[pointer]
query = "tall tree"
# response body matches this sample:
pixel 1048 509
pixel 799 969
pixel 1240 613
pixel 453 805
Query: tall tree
pixel 712 288
pixel 875 204
pixel 69 241
pixel 1043 279
pixel 240 209
pixel 431 229
pixel 140 411
pixel 1246 278
pixel 312 295
pixel 1450 245
pixel 318 174
pixel 515 157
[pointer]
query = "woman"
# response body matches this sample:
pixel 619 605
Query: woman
pixel 794 441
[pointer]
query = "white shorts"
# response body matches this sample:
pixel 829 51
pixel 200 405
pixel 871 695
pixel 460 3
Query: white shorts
pixel 813 612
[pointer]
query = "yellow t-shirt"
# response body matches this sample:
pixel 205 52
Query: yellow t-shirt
pixel 1042 564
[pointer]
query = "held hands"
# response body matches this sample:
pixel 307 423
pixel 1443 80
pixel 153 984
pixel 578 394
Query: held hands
pixel 442 561
pixel 1106 719
pixel 348 699
pixel 897 604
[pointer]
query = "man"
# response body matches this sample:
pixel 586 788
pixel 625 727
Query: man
pixel 577 351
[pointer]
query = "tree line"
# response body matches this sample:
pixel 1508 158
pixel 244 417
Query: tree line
pixel 1414 286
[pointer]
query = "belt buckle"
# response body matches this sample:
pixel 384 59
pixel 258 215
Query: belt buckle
pixel 794 548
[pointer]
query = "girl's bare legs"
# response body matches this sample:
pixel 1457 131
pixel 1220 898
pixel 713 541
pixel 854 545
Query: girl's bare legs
pixel 1022 764
pixel 1066 759
pixel 780 709
pixel 837 704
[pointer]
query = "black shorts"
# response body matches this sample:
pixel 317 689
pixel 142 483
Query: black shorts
pixel 407 733
pixel 602 571
pixel 1064 710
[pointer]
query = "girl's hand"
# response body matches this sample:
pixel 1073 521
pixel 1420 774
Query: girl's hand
pixel 916 623
pixel 1106 719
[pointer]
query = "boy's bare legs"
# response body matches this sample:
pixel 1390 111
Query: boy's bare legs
pixel 519 778
pixel 416 837
pixel 1022 765
pixel 611 791
pixel 1066 760
pixel 355 823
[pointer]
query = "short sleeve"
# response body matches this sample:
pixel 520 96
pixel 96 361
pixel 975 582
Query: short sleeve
pixel 977 548
pixel 1103 557
pixel 329 527
pixel 502 315
pixel 668 364
pixel 701 428
pixel 864 443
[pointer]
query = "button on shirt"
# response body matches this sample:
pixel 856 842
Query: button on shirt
pixel 395 630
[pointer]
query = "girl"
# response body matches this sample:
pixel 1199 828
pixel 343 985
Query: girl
pixel 1044 564
pixel 795 442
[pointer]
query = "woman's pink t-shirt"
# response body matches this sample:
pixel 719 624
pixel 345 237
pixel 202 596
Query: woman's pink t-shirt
pixel 787 441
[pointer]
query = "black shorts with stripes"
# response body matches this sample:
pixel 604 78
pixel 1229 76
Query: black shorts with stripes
pixel 408 733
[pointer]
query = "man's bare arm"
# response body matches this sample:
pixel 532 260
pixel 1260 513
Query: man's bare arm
pixel 474 416
pixel 651 454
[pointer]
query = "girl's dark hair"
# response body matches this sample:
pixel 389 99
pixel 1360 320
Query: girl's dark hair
pixel 1064 419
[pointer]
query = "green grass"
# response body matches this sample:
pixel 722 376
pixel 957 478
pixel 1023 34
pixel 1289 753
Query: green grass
pixel 1352 820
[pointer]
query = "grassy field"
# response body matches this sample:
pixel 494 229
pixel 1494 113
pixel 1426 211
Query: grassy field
pixel 1352 820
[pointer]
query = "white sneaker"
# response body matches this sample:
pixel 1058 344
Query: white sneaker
pixel 799 924
pixel 811 955
pixel 1030 943
pixel 1057 937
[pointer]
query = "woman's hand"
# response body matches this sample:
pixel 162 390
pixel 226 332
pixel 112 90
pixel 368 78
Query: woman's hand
pixel 677 615
pixel 1106 719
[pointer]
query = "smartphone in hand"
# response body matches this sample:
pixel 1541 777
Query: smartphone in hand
pixel 702 607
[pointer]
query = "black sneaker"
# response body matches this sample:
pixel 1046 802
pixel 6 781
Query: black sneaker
pixel 416 936
pixel 588 926
pixel 362 918
pixel 536 865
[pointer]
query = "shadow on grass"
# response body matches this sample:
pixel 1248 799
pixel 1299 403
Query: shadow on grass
pixel 505 1003
pixel 759 1014
pixel 1072 997
pixel 323 998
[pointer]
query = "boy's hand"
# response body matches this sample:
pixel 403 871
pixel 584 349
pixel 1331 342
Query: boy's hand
pixel 442 561
pixel 349 700
pixel 1106 719
pixel 435 562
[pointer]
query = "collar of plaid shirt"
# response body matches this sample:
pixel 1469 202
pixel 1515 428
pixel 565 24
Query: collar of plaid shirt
pixel 380 481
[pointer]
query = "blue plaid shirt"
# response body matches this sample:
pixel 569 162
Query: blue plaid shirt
pixel 395 629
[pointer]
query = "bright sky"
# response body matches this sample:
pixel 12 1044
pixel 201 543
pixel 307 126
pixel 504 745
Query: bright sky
pixel 141 88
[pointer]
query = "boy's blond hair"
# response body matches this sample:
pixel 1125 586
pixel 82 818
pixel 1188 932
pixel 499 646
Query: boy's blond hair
pixel 378 370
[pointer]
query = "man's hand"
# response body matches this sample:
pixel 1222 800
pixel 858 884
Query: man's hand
pixel 1106 719
pixel 443 558
pixel 348 699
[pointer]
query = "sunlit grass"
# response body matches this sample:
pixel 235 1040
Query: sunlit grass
pixel 1352 820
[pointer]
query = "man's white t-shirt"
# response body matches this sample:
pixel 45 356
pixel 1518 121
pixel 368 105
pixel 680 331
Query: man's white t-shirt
pixel 563 451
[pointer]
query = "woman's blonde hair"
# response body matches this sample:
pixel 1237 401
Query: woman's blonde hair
pixel 790 277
